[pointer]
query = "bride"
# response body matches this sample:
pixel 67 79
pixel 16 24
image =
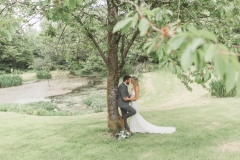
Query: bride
pixel 137 122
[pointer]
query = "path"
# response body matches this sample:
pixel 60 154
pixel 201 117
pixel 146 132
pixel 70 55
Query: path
pixel 37 91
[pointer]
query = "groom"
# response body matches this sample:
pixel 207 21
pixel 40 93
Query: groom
pixel 126 109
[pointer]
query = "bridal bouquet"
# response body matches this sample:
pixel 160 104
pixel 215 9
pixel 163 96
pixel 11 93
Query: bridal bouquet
pixel 123 135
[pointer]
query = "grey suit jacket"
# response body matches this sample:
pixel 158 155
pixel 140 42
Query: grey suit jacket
pixel 122 93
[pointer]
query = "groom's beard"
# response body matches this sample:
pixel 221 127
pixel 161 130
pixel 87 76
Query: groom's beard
pixel 127 83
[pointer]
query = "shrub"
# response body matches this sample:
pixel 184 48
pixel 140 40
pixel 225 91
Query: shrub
pixel 17 72
pixel 44 75
pixel 86 70
pixel 96 102
pixel 10 80
pixel 127 69
pixel 40 63
pixel 2 72
pixel 75 66
pixel 76 73
pixel 143 67
pixel 218 89
pixel 72 72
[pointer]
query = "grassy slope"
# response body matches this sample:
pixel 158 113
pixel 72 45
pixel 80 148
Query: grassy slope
pixel 203 132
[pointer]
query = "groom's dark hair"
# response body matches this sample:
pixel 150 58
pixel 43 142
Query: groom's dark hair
pixel 126 77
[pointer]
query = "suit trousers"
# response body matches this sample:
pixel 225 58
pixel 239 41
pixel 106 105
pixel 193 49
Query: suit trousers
pixel 126 113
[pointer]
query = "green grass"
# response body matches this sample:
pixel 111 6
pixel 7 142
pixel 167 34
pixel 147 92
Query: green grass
pixel 204 132
pixel 37 108
pixel 201 131
pixel 96 102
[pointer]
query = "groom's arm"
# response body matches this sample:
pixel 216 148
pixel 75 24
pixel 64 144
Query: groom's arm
pixel 123 94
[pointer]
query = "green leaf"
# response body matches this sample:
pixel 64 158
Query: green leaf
pixel 160 53
pixel 220 65
pixel 205 34
pixel 238 84
pixel 188 54
pixel 148 13
pixel 196 43
pixel 135 20
pixel 143 26
pixel 176 41
pixel 222 48
pixel 210 52
pixel 12 29
pixel 150 48
pixel 125 28
pixel 207 76
pixel 159 16
pixel 146 45
pixel 171 68
pixel 178 69
pixel 122 24
pixel 169 12
pixel 162 64
pixel 8 36
pixel 186 59
pixel 230 77
pixel 50 15
pixel 72 4
pixel 15 24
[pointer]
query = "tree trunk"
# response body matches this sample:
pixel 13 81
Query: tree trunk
pixel 113 115
pixel 113 70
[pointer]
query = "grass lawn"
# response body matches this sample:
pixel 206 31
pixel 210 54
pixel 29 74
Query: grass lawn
pixel 204 131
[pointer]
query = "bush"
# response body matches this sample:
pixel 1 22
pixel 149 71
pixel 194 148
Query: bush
pixel 218 89
pixel 2 72
pixel 44 75
pixel 96 102
pixel 76 73
pixel 143 67
pixel 10 80
pixel 17 72
pixel 86 70
pixel 127 69
pixel 75 66
pixel 40 63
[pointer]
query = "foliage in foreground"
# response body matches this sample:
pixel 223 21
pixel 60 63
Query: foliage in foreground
pixel 44 75
pixel 217 88
pixel 7 80
pixel 36 108
pixel 178 47
pixel 96 102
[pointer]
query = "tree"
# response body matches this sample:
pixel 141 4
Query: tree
pixel 97 20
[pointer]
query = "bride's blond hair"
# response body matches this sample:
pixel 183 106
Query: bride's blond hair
pixel 134 82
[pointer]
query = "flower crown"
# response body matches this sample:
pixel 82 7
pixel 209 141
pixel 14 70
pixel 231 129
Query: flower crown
pixel 135 78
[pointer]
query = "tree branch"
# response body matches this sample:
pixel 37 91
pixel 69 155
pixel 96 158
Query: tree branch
pixel 123 45
pixel 90 35
pixel 60 36
pixel 124 54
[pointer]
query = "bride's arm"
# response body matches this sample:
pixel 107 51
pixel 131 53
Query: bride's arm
pixel 136 89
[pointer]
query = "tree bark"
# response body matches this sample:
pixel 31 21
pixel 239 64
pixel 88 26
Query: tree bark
pixel 113 71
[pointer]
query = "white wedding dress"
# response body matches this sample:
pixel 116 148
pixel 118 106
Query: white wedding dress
pixel 139 124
